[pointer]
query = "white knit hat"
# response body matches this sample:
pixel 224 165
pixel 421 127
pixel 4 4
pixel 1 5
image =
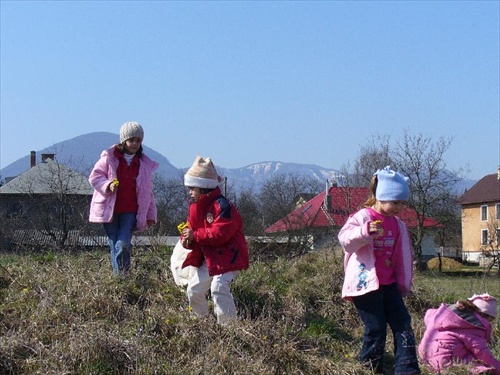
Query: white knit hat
pixel 202 174
pixel 131 130
pixel 391 185
pixel 486 304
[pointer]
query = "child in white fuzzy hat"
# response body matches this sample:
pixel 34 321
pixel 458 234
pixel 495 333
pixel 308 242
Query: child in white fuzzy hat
pixel 460 333
pixel 377 242
pixel 215 236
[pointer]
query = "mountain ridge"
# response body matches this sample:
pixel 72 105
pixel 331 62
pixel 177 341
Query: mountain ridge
pixel 81 152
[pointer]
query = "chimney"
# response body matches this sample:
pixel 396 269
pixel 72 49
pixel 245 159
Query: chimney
pixel 32 159
pixel 47 156
pixel 498 173
pixel 328 199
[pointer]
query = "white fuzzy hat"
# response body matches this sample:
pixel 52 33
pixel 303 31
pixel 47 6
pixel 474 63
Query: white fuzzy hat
pixel 486 304
pixel 391 185
pixel 131 130
pixel 202 174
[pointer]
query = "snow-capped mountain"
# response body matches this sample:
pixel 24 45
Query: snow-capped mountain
pixel 253 176
pixel 80 153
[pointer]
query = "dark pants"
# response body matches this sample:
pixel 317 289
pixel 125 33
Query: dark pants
pixel 377 309
pixel 120 233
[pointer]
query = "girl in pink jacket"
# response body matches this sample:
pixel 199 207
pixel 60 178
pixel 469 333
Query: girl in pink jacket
pixel 460 333
pixel 123 193
pixel 378 269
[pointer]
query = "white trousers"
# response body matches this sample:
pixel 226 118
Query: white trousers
pixel 220 288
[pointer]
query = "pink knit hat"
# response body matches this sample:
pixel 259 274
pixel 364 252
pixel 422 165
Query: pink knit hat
pixel 486 304
pixel 202 174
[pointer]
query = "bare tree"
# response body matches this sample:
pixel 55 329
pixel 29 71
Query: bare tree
pixel 277 201
pixel 50 198
pixel 431 182
pixel 447 211
pixel 278 193
pixel 421 158
pixel 491 249
pixel 171 202
pixel 249 208
pixel 372 157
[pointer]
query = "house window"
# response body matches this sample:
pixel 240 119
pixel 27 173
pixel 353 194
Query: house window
pixel 498 237
pixel 484 213
pixel 497 214
pixel 484 237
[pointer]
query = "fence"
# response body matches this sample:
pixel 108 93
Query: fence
pixel 450 252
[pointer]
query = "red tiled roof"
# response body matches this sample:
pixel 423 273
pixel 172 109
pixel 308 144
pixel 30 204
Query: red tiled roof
pixel 485 190
pixel 344 201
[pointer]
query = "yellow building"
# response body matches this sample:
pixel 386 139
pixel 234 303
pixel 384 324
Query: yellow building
pixel 481 219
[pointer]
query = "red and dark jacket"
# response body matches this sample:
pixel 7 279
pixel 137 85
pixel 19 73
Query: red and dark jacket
pixel 218 235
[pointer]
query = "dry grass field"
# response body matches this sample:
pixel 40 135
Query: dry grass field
pixel 67 314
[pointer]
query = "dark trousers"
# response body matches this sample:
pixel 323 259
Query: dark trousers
pixel 377 309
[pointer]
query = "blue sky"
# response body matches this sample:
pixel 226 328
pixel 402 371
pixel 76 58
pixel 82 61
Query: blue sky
pixel 250 81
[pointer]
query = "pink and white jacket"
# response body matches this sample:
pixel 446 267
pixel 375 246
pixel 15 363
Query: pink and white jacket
pixel 359 258
pixel 103 200
pixel 450 338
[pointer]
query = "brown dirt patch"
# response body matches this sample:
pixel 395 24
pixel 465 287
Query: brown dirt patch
pixel 446 264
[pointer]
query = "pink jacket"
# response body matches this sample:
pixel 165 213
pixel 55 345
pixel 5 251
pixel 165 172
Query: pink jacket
pixel 359 260
pixel 103 200
pixel 450 338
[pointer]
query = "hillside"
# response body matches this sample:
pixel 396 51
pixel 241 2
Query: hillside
pixel 80 153
pixel 64 313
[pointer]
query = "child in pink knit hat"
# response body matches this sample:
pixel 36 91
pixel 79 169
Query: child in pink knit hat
pixel 486 304
pixel 460 333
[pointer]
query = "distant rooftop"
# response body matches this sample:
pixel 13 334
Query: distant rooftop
pixel 485 190
pixel 48 177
